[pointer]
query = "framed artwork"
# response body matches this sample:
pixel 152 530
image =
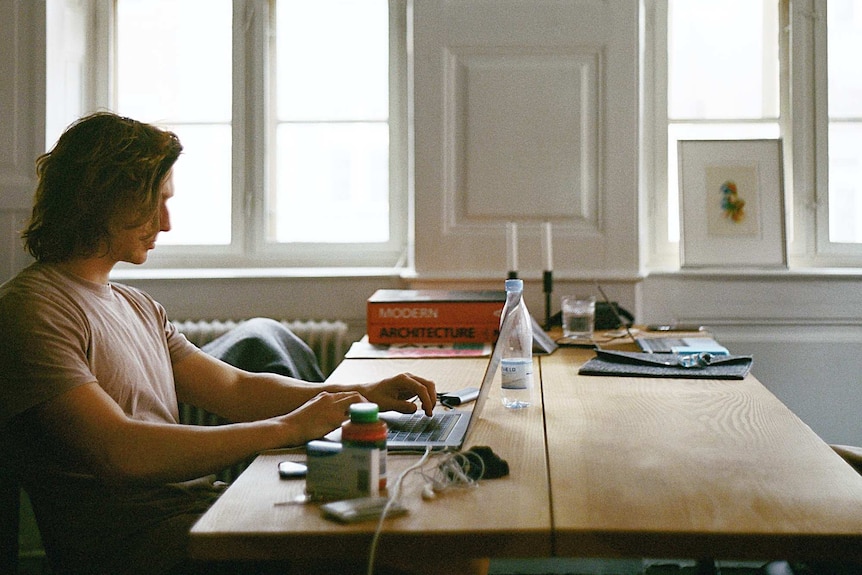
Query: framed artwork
pixel 731 204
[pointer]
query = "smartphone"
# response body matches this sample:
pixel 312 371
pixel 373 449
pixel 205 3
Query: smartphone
pixel 362 509
pixel 675 327
pixel 291 469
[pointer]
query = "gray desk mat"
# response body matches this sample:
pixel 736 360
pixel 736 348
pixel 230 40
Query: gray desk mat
pixel 634 364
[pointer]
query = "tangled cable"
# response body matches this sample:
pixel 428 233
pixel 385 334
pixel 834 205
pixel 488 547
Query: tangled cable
pixel 455 470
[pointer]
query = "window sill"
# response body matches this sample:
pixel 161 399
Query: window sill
pixel 127 274
pixel 761 273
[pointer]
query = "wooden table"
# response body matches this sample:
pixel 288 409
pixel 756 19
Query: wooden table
pixel 606 467
pixel 510 516
pixel 690 468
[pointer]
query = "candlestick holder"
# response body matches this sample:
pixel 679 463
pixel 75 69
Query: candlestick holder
pixel 548 286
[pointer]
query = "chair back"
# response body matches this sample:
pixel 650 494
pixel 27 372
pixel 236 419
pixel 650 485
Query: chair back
pixel 10 509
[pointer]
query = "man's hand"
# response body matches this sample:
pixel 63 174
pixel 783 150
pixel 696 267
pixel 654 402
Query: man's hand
pixel 399 392
pixel 320 415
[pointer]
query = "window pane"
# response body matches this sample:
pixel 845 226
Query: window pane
pixel 200 209
pixel 844 22
pixel 723 64
pixel 174 69
pixel 332 183
pixel 174 60
pixel 723 59
pixel 333 60
pixel 332 134
pixel 845 193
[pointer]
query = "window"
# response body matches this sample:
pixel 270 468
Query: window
pixel 292 120
pixel 844 44
pixel 720 85
pixel 173 68
pixel 332 133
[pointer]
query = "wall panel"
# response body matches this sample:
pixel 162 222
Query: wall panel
pixel 526 111
pixel 536 113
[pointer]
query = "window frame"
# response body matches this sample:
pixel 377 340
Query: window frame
pixel 253 124
pixel 804 128
pixel 835 253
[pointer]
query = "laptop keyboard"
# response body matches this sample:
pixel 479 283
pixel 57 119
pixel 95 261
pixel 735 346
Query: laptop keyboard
pixel 420 427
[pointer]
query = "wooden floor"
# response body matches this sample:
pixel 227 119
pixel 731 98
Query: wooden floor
pixel 616 567
pixel 37 566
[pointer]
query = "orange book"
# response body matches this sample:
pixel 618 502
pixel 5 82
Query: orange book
pixel 434 316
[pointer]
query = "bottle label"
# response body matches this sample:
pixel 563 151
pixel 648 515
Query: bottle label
pixel 367 436
pixel 517 373
pixel 363 471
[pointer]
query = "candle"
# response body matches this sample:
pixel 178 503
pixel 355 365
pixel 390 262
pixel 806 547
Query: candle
pixel 547 249
pixel 512 246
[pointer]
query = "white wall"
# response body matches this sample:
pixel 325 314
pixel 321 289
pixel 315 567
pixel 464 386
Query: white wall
pixel 22 120
pixel 805 330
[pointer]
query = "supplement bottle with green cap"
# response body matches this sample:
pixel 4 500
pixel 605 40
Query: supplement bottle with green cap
pixel 365 431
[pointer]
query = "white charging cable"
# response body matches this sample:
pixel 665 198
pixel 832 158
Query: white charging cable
pixel 455 470
pixel 394 495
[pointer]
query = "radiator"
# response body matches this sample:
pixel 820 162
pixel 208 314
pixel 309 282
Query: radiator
pixel 327 339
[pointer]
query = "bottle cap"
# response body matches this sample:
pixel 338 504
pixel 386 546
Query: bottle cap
pixel 515 285
pixel 363 412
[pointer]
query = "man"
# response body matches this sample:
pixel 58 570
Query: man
pixel 91 371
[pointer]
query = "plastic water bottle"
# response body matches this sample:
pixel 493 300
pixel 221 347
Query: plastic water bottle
pixel 516 329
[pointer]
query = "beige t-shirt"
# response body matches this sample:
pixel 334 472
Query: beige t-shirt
pixel 58 331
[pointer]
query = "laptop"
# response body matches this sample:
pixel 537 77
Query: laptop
pixel 446 429
pixel 680 345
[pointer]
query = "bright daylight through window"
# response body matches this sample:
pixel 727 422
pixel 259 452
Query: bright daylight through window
pixel 295 136
pixel 324 131
pixel 719 87
pixel 332 134
pixel 174 69
pixel 844 24
pixel 727 86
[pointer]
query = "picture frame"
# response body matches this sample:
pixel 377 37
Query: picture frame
pixel 732 211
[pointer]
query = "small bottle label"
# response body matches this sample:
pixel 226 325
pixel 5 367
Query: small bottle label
pixel 517 373
pixel 363 475
pixel 367 437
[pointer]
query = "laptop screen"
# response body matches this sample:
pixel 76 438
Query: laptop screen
pixel 488 379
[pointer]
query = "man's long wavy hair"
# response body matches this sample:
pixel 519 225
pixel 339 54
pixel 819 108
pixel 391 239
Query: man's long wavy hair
pixel 104 171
